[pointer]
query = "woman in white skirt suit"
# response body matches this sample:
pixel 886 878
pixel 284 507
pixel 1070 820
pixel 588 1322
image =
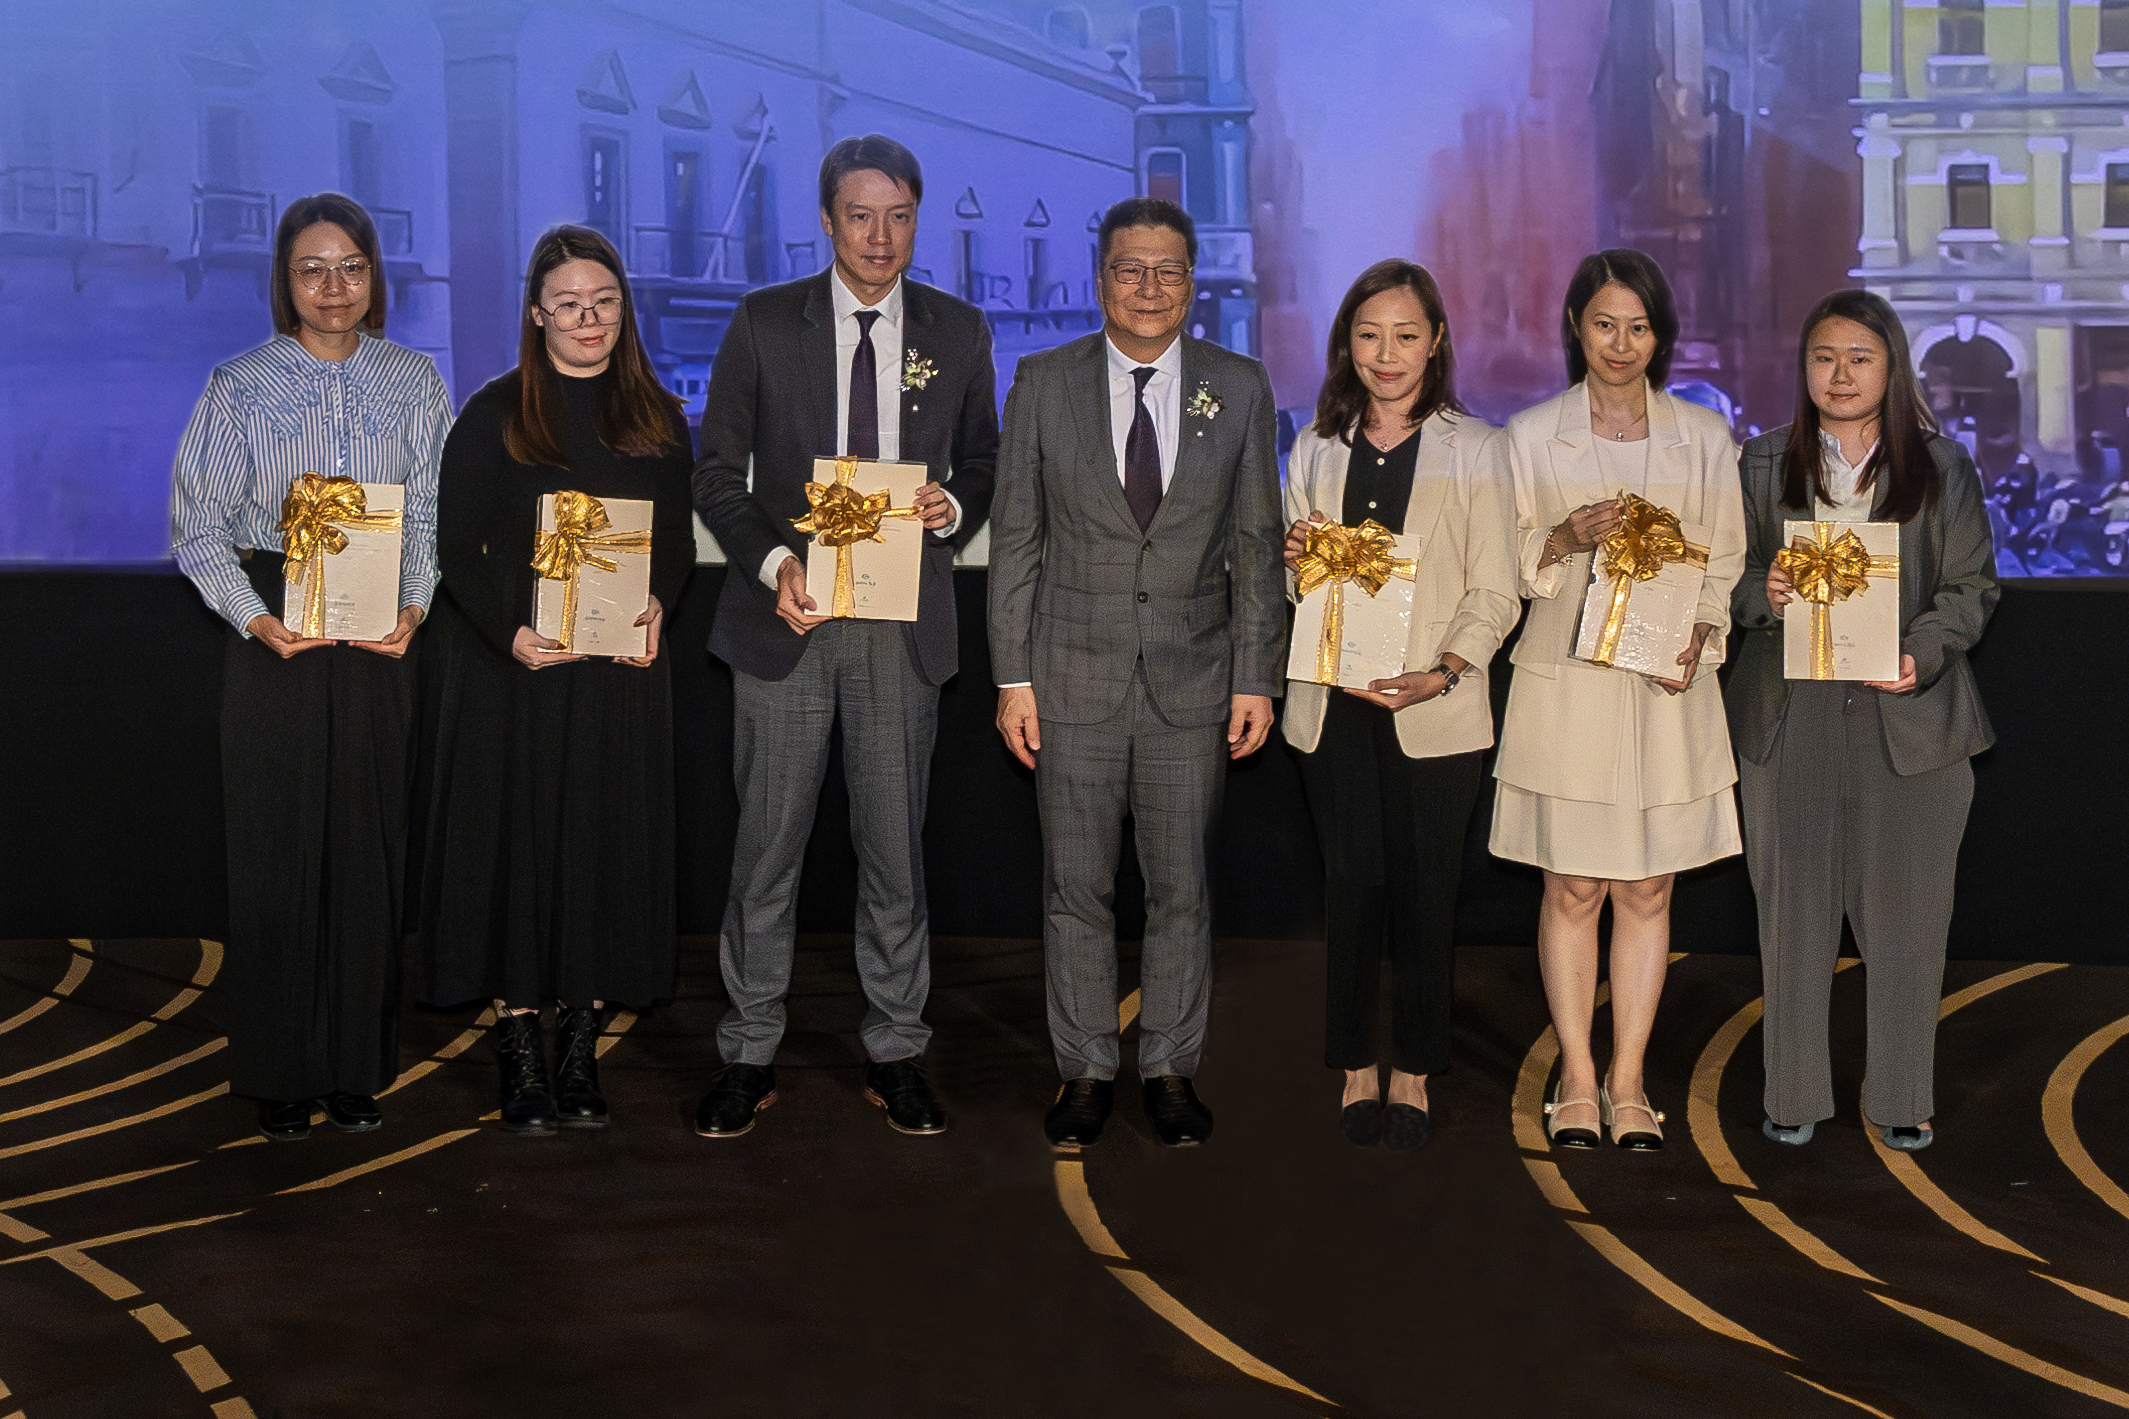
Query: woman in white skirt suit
pixel 1613 782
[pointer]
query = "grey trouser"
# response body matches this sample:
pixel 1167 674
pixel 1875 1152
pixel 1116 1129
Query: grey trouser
pixel 1170 781
pixel 1832 830
pixel 863 673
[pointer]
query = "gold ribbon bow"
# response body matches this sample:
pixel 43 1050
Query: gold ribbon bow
pixel 312 516
pixel 842 516
pixel 1647 539
pixel 1828 568
pixel 578 540
pixel 1335 555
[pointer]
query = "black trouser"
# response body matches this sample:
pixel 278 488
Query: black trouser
pixel 316 759
pixel 1392 833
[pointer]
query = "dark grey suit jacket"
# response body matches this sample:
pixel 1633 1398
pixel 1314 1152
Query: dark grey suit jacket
pixel 772 397
pixel 1079 595
pixel 1947 590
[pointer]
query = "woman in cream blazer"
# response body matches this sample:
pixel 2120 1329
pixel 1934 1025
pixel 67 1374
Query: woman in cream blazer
pixel 1610 781
pixel 1392 772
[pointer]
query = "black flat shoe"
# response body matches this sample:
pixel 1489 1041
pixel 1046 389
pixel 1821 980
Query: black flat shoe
pixel 1909 1139
pixel 577 1100
pixel 1361 1122
pixel 351 1113
pixel 1406 1128
pixel 521 1059
pixel 737 1093
pixel 899 1086
pixel 1572 1135
pixel 1172 1107
pixel 1082 1108
pixel 285 1123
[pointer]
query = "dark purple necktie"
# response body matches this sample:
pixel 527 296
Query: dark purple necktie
pixel 1142 457
pixel 864 435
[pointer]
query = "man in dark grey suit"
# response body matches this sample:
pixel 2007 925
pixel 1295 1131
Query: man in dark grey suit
pixel 863 362
pixel 1137 628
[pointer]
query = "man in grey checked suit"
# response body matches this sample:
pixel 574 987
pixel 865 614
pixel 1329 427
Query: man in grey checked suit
pixel 1137 628
pixel 857 361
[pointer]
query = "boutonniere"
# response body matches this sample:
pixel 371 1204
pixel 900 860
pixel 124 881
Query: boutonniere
pixel 1204 404
pixel 916 371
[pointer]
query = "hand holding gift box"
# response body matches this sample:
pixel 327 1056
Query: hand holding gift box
pixel 342 587
pixel 1346 639
pixel 1644 588
pixel 870 584
pixel 594 561
pixel 1848 573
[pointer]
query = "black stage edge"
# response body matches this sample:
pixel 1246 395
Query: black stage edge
pixel 112 824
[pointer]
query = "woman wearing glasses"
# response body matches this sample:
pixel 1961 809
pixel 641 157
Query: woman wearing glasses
pixel 1613 782
pixel 315 733
pixel 550 849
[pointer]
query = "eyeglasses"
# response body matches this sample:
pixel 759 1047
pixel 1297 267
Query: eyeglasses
pixel 355 271
pixel 569 315
pixel 1134 273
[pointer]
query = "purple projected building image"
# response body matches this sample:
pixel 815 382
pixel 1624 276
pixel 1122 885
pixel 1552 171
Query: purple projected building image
pixel 147 149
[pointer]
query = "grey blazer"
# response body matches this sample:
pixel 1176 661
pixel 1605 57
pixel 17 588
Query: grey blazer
pixel 771 411
pixel 1947 590
pixel 1079 596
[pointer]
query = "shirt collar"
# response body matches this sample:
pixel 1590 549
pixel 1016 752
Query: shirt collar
pixel 303 362
pixel 847 306
pixel 1170 362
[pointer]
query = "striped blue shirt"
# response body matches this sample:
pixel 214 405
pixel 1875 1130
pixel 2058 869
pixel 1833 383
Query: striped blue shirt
pixel 277 412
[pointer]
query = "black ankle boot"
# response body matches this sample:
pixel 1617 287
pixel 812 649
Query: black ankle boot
pixel 528 1103
pixel 577 1101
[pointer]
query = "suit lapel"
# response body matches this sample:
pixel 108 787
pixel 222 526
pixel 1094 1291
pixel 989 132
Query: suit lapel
pixel 1090 411
pixel 917 413
pixel 816 351
pixel 1193 436
pixel 1670 468
pixel 1574 453
pixel 1432 476
pixel 1325 490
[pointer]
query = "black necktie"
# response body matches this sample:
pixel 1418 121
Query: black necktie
pixel 1142 457
pixel 864 439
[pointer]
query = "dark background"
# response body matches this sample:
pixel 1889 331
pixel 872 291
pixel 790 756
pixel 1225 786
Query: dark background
pixel 112 824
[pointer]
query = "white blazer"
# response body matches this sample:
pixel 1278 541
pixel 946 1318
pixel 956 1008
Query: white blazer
pixel 1561 736
pixel 1464 593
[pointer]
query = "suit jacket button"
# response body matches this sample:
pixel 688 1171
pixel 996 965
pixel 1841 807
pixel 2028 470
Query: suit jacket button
pixel 1147 547
pixel 1142 596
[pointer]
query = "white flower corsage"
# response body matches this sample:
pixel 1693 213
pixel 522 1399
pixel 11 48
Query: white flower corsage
pixel 916 372
pixel 1204 404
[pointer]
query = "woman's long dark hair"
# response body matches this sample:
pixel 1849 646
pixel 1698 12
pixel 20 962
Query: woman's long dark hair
pixel 1639 273
pixel 1344 398
pixel 1901 468
pixel 635 412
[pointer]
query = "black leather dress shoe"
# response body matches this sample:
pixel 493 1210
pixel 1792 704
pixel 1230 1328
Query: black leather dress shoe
pixel 1405 1127
pixel 521 1058
pixel 899 1086
pixel 737 1093
pixel 351 1113
pixel 577 1100
pixel 1082 1107
pixel 284 1123
pixel 1172 1106
pixel 1361 1122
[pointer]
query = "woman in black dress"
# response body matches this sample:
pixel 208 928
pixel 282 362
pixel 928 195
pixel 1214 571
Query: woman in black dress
pixel 550 852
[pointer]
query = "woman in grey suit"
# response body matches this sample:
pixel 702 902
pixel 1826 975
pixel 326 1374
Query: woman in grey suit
pixel 1392 770
pixel 1856 793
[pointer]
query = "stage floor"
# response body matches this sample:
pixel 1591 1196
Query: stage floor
pixel 156 1259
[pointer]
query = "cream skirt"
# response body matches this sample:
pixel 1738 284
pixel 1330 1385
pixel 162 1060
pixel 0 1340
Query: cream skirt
pixel 1578 839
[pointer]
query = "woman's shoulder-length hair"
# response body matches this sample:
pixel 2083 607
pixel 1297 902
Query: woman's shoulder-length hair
pixel 1343 398
pixel 1901 467
pixel 1638 272
pixel 300 216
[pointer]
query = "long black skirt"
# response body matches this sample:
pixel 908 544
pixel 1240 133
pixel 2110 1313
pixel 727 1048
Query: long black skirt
pixel 548 873
pixel 315 782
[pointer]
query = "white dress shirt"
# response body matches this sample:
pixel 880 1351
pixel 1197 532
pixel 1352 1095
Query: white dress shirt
pixel 1841 478
pixel 887 358
pixel 1164 398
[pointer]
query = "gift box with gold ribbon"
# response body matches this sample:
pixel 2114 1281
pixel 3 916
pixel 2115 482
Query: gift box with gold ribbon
pixel 594 560
pixel 1644 590
pixel 340 543
pixel 1845 622
pixel 1355 616
pixel 867 558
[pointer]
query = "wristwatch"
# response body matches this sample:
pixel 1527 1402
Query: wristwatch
pixel 1448 675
